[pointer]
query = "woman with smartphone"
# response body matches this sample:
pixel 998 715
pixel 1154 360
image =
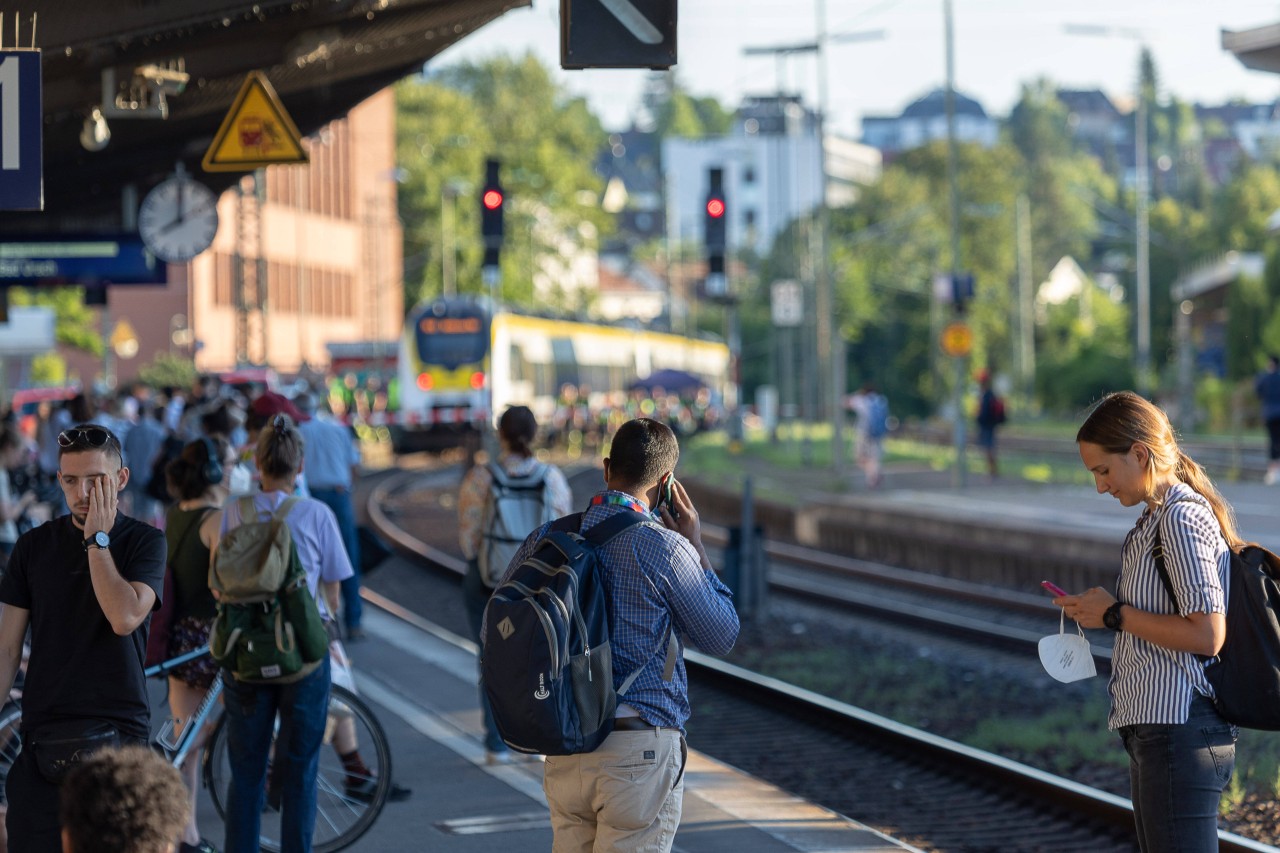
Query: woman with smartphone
pixel 1181 751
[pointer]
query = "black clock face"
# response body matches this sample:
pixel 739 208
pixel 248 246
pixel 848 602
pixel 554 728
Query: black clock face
pixel 178 219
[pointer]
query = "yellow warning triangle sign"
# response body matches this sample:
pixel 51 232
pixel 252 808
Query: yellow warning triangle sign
pixel 256 132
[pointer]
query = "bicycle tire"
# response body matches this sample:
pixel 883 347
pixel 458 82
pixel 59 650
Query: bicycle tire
pixel 340 819
pixel 10 742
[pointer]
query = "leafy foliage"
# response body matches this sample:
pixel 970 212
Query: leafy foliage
pixel 74 322
pixel 508 108
pixel 168 370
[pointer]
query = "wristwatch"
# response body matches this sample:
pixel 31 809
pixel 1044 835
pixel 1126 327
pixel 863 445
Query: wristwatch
pixel 99 540
pixel 1112 618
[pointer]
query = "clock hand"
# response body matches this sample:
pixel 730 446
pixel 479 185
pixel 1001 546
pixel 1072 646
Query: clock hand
pixel 176 223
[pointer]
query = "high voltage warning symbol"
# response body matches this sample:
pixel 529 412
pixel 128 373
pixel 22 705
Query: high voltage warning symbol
pixel 256 132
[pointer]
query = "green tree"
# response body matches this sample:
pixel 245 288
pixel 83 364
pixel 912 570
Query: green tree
pixel 509 108
pixel 75 324
pixel 1085 351
pixel 1242 207
pixel 675 112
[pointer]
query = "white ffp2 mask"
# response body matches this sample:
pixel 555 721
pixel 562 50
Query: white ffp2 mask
pixel 1065 656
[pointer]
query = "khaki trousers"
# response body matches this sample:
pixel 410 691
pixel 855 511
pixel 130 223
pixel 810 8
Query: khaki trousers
pixel 623 798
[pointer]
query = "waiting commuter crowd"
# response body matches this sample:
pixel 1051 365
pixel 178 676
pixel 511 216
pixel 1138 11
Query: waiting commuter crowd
pixel 86 488
pixel 80 590
pixel 583 419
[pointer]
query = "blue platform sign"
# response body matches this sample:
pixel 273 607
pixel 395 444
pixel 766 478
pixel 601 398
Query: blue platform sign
pixel 89 261
pixel 21 122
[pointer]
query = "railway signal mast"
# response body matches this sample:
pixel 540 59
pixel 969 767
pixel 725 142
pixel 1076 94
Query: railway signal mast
pixel 492 200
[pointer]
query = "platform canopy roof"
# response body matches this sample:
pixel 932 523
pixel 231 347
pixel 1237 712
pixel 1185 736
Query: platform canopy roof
pixel 322 56
pixel 1257 48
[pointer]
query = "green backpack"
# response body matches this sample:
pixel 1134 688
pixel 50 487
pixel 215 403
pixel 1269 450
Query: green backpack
pixel 268 629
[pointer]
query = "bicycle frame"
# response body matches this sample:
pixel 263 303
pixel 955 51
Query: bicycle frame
pixel 177 750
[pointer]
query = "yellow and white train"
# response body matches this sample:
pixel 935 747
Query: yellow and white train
pixel 461 365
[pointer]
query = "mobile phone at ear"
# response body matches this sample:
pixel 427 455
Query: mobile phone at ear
pixel 666 491
pixel 1053 588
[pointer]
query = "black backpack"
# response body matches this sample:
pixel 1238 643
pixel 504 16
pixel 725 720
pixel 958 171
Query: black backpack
pixel 545 659
pixel 1246 673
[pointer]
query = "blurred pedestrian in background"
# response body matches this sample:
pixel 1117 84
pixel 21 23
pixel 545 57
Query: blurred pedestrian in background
pixel 197 481
pixel 872 411
pixel 499 504
pixel 333 464
pixel 1267 386
pixel 991 415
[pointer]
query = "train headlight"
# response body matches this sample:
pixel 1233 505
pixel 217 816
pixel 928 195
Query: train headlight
pixel 477 380
pixel 424 382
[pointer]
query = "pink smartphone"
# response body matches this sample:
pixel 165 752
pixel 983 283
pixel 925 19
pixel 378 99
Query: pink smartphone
pixel 1053 588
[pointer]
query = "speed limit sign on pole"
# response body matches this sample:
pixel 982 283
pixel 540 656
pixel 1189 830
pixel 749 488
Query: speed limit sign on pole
pixel 957 339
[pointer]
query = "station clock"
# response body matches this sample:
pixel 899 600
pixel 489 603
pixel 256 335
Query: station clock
pixel 178 219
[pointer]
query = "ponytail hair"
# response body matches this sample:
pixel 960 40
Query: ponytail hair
pixel 1123 419
pixel 1189 471
pixel 279 451
pixel 518 427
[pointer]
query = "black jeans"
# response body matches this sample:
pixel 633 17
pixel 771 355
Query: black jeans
pixel 475 596
pixel 1177 774
pixel 33 819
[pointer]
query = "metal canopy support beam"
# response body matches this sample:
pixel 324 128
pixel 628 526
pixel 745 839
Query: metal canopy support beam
pixel 322 58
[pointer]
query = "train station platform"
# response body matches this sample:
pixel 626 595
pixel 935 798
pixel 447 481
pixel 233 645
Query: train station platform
pixel 421 681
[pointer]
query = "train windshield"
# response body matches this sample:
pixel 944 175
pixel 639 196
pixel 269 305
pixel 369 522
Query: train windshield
pixel 452 337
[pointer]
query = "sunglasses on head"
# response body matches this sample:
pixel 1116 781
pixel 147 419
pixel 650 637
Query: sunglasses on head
pixel 93 436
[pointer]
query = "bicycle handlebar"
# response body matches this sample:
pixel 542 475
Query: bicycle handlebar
pixel 165 667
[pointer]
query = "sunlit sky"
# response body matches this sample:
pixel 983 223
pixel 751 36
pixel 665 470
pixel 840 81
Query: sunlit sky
pixel 998 45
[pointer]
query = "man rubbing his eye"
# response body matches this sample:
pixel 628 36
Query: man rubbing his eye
pixel 86 584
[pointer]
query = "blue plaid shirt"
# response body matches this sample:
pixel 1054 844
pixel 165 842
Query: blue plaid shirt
pixel 656 585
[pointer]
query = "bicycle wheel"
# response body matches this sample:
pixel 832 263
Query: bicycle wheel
pixel 10 742
pixel 346 804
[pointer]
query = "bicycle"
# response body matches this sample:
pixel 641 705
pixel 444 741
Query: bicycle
pixel 340 817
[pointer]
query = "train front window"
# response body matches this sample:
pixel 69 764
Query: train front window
pixel 451 342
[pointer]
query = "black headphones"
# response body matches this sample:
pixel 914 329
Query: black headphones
pixel 211 470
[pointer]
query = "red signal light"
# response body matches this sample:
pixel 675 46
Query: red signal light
pixel 492 199
pixel 477 380
pixel 715 207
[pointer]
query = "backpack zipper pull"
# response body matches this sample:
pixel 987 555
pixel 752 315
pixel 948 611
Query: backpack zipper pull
pixel 587 652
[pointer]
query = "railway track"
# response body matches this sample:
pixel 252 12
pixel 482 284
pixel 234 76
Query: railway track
pixel 934 793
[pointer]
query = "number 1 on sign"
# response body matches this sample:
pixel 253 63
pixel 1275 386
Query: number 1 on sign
pixel 10 148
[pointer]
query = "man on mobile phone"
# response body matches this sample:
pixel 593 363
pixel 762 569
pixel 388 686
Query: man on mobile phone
pixel 86 584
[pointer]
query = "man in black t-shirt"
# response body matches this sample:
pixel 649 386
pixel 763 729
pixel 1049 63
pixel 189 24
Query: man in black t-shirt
pixel 86 584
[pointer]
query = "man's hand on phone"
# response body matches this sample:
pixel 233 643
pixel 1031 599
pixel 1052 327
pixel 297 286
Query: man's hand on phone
pixel 684 520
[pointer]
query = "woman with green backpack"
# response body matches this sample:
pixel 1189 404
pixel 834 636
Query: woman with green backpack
pixel 302 705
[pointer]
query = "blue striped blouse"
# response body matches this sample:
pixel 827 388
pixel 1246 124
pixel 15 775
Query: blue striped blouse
pixel 1151 684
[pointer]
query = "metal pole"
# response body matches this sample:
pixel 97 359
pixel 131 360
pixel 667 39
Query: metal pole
pixel 448 276
pixel 1026 307
pixel 953 167
pixel 831 374
pixel 1142 252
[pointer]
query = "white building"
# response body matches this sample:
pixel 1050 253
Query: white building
pixel 772 173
